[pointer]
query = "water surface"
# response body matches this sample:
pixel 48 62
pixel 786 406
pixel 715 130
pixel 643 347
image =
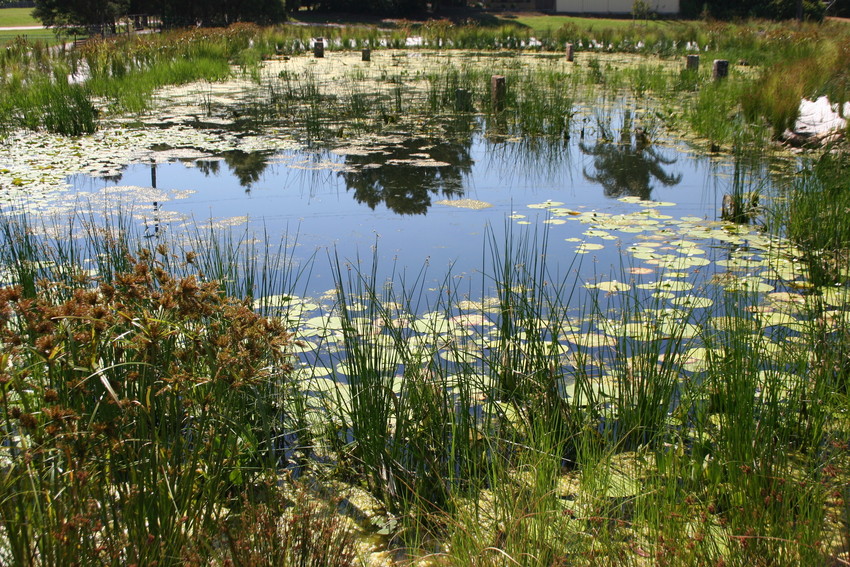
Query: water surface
pixel 400 195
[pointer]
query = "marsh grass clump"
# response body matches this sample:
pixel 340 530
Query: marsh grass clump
pixel 814 213
pixel 600 434
pixel 52 105
pixel 133 411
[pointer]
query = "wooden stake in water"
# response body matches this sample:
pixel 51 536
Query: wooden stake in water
pixel 367 54
pixel 721 69
pixel 319 47
pixel 153 232
pixel 463 101
pixel 693 63
pixel 498 87
pixel 570 52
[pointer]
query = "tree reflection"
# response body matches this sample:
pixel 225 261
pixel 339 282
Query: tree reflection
pixel 248 167
pixel 627 167
pixel 405 175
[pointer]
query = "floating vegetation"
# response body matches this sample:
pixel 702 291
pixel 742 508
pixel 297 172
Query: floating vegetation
pixel 464 204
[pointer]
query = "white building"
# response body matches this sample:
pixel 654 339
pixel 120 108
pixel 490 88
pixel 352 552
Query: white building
pixel 619 7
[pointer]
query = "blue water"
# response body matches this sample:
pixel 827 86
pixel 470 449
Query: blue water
pixel 392 206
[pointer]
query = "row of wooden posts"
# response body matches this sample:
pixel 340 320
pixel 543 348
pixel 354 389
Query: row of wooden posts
pixel 498 84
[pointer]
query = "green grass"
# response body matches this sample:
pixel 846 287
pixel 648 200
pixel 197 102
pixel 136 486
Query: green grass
pixel 13 17
pixel 539 23
pixel 44 36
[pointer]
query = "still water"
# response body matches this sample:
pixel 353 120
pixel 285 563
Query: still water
pixel 400 196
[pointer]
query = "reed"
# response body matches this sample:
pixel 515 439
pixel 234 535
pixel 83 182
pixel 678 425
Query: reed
pixel 813 214
pixel 108 400
pixel 489 426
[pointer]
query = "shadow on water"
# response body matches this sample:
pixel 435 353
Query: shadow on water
pixel 628 166
pixel 405 176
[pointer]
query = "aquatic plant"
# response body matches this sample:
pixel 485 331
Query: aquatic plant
pixel 123 390
pixel 483 423
pixel 814 214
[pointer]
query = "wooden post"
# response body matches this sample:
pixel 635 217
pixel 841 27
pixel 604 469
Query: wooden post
pixel 721 69
pixel 693 63
pixel 570 52
pixel 366 54
pixel 498 87
pixel 319 47
pixel 463 100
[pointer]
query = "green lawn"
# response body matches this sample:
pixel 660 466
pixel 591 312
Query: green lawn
pixel 536 22
pixel 11 17
pixel 541 22
pixel 46 36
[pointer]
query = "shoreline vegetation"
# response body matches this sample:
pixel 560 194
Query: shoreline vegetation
pixel 155 407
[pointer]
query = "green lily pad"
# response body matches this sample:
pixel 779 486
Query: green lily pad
pixel 693 302
pixel 460 356
pixel 588 247
pixel 545 205
pixel 613 286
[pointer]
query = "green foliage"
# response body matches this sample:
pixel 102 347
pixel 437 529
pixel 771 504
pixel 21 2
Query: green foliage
pixel 770 9
pixel 79 13
pixel 641 9
pixel 105 13
pixel 815 217
pixel 216 12
pixel 151 394
pixel 377 7
pixel 55 106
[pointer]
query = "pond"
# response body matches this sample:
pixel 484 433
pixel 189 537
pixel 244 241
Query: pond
pixel 401 169
pixel 423 200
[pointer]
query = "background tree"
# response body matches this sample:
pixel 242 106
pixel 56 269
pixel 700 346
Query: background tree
pixel 218 12
pixel 770 9
pixel 172 12
pixel 80 12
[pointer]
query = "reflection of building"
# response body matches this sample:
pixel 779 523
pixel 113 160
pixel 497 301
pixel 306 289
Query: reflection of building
pixel 622 7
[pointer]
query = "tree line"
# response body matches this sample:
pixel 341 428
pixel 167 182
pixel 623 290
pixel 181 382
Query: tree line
pixel 173 13
pixel 767 9
pixel 176 13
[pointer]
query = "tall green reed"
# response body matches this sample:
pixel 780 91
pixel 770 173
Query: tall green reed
pixel 152 394
pixel 813 214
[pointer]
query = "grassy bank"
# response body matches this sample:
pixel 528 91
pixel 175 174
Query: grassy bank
pixel 120 75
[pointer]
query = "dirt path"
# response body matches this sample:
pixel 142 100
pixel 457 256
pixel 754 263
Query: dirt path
pixel 23 28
